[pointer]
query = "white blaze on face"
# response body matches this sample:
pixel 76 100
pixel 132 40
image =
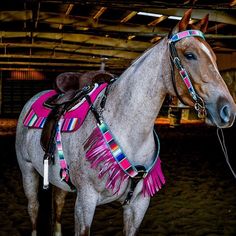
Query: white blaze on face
pixel 207 51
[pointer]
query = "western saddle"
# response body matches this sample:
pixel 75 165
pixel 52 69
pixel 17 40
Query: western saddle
pixel 71 87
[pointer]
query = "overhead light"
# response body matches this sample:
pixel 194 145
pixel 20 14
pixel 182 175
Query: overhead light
pixel 158 15
pixel 175 17
pixel 149 14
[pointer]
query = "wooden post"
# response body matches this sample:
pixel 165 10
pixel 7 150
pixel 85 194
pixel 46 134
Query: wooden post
pixel 1 92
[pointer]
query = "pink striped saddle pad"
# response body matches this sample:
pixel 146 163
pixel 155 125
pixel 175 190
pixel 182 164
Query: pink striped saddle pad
pixel 72 120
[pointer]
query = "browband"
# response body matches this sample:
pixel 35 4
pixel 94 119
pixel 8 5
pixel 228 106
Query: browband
pixel 188 33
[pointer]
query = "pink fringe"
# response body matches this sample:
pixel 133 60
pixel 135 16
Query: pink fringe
pixel 100 156
pixel 155 179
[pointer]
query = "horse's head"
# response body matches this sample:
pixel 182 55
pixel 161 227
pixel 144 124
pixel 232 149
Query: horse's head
pixel 197 79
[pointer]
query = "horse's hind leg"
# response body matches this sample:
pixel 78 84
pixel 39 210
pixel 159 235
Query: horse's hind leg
pixel 59 196
pixel 30 183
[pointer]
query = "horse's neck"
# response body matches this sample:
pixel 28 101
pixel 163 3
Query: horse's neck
pixel 136 98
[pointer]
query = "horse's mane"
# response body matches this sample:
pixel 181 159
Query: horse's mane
pixel 145 53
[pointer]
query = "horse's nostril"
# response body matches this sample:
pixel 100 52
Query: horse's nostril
pixel 225 114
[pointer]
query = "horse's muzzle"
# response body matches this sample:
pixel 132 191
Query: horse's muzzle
pixel 222 113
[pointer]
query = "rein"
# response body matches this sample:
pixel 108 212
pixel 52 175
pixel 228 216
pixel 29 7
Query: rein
pixel 221 139
pixel 199 104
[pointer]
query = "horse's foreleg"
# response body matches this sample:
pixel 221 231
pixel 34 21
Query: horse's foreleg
pixel 133 214
pixel 59 201
pixel 30 184
pixel 85 206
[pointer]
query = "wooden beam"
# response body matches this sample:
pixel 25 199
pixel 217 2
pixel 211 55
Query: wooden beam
pixel 190 2
pixel 116 71
pixel 47 64
pixel 56 64
pixel 79 38
pixel 72 48
pixel 99 13
pixel 214 15
pixel 128 17
pixel 55 67
pixel 9 16
pixel 80 23
pixel 232 3
pixel 68 10
pixel 157 21
pixel 215 28
pixel 61 58
pixel 155 39
pixel 35 13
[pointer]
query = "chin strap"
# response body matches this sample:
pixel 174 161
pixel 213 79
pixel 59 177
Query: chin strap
pixel 199 104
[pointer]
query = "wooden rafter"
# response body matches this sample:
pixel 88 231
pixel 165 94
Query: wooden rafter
pixel 80 38
pixel 78 22
pixel 157 21
pixel 36 15
pixel 61 58
pixel 68 10
pixel 155 39
pixel 73 32
pixel 190 2
pixel 215 28
pixel 129 16
pixel 68 66
pixel 232 3
pixel 71 48
pixel 214 15
pixel 99 13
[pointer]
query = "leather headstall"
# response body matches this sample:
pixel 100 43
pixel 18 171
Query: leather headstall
pixel 199 104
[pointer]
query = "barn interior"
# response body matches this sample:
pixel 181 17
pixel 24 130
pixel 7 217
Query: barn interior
pixel 39 39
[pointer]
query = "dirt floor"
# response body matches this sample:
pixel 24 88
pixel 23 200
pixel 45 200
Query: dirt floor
pixel 199 197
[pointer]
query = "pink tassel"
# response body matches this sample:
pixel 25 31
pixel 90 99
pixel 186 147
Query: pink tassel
pixel 153 182
pixel 97 152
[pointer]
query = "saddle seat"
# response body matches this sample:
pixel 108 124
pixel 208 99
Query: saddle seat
pixel 76 81
pixel 72 87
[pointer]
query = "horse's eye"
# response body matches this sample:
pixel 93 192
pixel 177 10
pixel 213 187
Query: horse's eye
pixel 190 56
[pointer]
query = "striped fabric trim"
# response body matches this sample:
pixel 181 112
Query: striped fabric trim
pixel 183 73
pixel 73 119
pixel 187 33
pixel 32 120
pixel 103 154
pixel 70 124
pixel 117 152
pixel 64 167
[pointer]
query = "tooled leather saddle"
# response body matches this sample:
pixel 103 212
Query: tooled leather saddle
pixel 71 88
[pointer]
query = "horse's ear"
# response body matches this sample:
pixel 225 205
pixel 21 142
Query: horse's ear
pixel 183 23
pixel 185 20
pixel 202 25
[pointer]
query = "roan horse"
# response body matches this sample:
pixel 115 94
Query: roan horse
pixel 132 105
